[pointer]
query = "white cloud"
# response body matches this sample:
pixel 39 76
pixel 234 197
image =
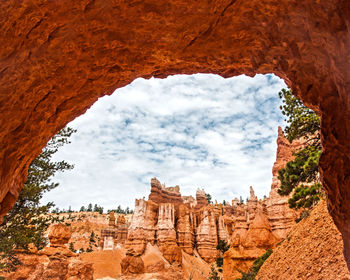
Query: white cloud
pixel 194 131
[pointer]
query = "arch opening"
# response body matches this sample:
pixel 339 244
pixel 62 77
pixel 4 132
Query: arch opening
pixel 65 55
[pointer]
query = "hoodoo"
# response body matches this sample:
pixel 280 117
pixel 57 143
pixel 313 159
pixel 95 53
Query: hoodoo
pixel 58 57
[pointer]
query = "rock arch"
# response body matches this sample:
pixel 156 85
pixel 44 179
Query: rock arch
pixel 58 57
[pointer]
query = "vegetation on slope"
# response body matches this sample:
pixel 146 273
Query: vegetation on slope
pixel 251 274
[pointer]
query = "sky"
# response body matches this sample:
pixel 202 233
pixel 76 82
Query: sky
pixel 189 130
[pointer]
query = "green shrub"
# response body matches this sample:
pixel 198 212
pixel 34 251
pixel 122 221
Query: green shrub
pixel 213 275
pixel 250 275
pixel 219 262
pixel 303 215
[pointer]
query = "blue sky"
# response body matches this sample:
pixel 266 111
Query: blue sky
pixel 194 131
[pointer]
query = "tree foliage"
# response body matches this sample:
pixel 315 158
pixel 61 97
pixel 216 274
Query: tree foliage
pixel 301 174
pixel 27 221
pixel 120 210
pixel 302 121
pixel 209 198
pixel 213 275
pixel 222 246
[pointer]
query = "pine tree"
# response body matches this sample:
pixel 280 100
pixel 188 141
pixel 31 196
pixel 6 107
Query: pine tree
pixel 301 174
pixel 92 237
pixel 209 198
pixel 71 247
pixel 89 209
pixel 27 221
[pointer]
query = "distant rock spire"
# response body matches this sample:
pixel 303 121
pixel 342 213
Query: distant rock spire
pixel 252 194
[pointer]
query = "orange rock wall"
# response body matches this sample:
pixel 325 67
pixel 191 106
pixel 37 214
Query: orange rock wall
pixel 58 57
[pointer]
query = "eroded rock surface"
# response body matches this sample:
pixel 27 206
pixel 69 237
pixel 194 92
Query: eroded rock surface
pixel 312 250
pixel 281 217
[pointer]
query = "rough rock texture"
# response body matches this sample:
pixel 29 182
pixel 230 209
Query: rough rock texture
pixel 105 263
pixel 166 233
pixel 157 268
pixel 162 194
pixel 243 252
pixel 54 262
pixel 58 57
pixel 207 234
pixel 184 230
pixel 122 226
pixel 201 199
pixel 132 265
pixel 281 217
pixel 59 234
pixel 142 226
pixel 312 250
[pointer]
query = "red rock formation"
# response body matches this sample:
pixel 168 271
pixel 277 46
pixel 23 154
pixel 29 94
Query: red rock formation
pixel 161 194
pixel 54 262
pixel 142 226
pixel 206 235
pixel 109 234
pixel 201 198
pixel 58 57
pixel 166 233
pixel 83 224
pixel 184 229
pixel 122 227
pixel 244 250
pixel 281 217
pixel 132 265
pixel 194 227
pixel 59 234
pixel 312 250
